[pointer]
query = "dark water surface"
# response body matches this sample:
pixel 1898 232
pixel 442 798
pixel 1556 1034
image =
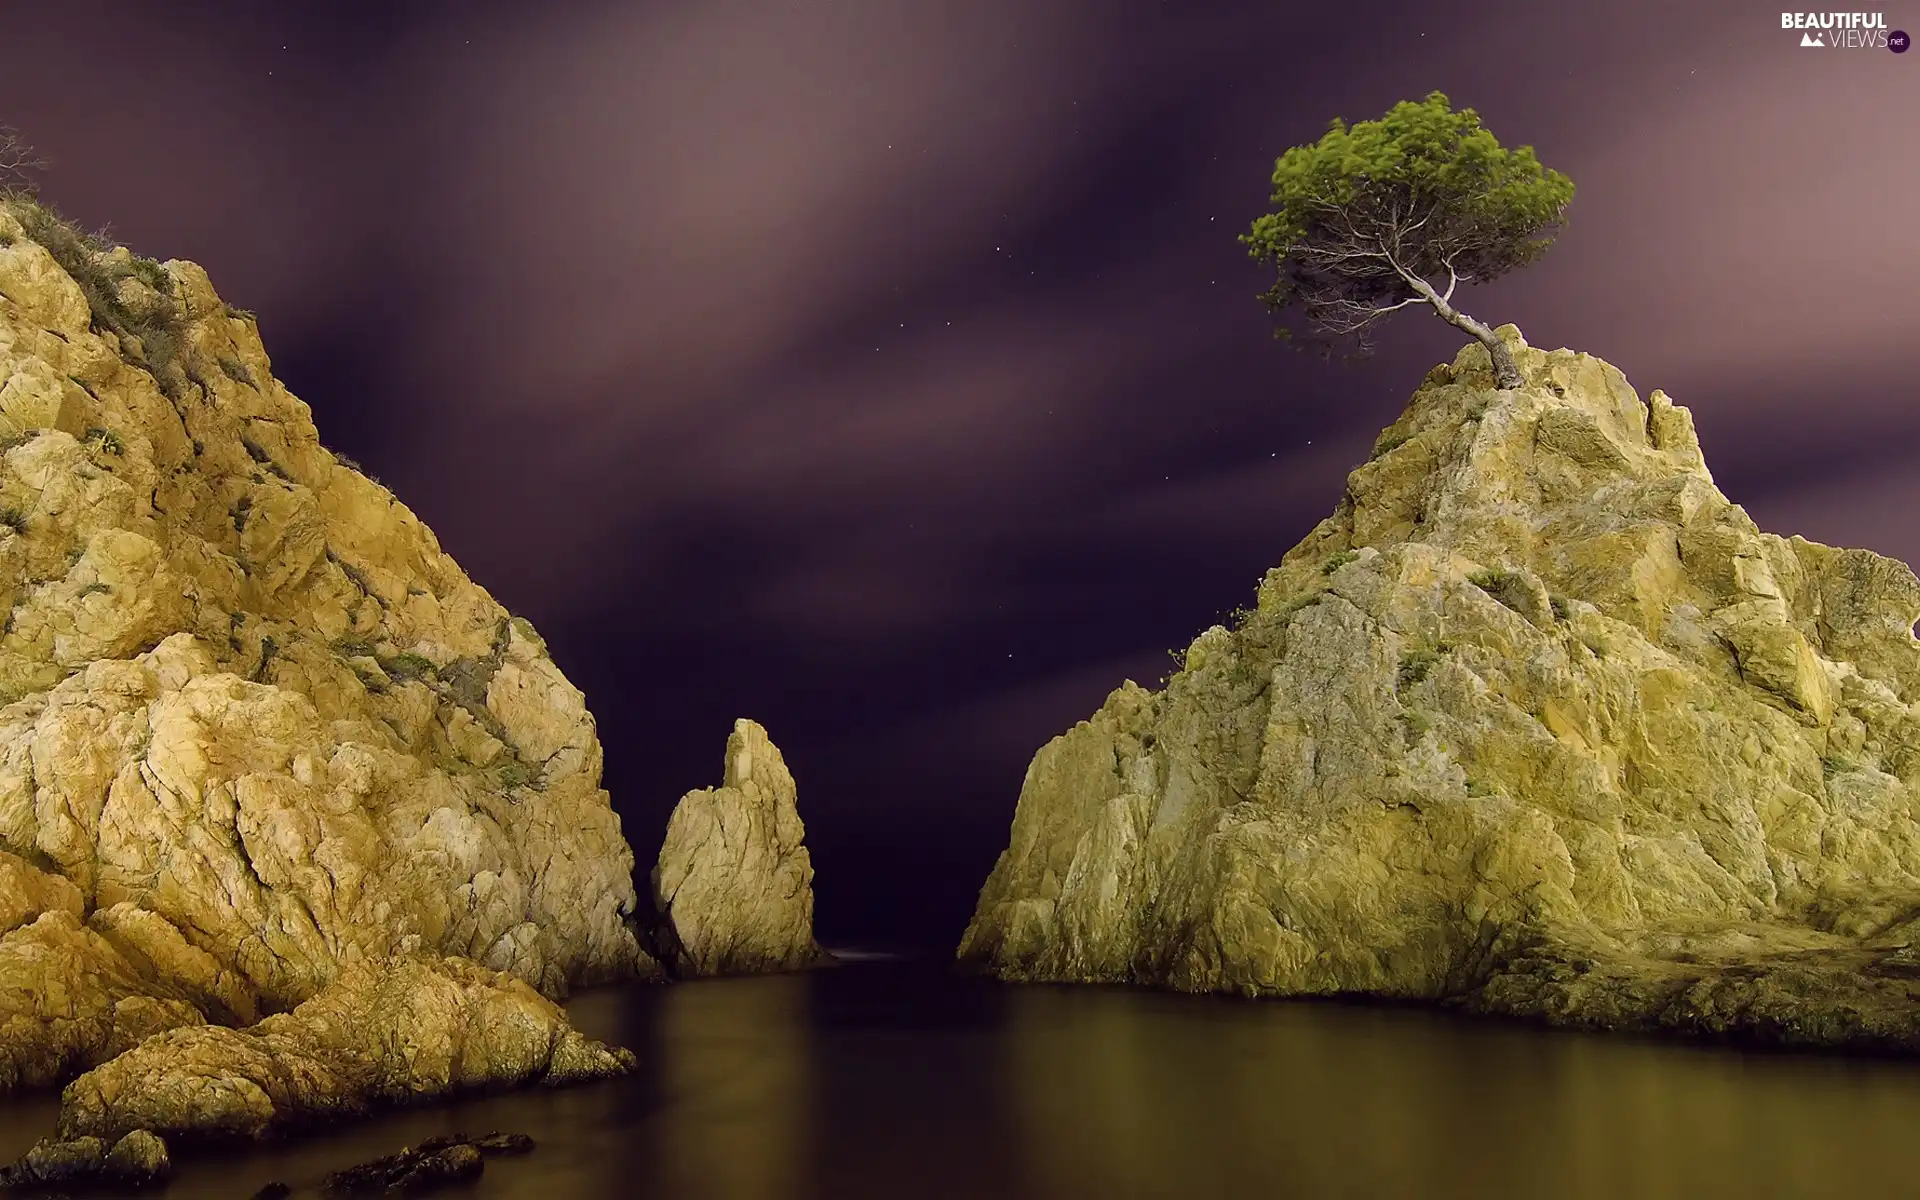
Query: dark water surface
pixel 903 1081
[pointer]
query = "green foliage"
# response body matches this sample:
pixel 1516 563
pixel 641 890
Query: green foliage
pixel 408 666
pixel 104 440
pixel 518 773
pixel 1491 579
pixel 527 633
pixel 13 519
pixel 1390 441
pixel 148 320
pixel 1336 561
pixel 94 589
pixel 1290 608
pixel 236 370
pixel 1559 606
pixel 353 648
pixel 1423 194
pixel 1416 663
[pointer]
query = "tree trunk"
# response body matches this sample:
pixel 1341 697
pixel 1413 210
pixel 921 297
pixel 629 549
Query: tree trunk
pixel 1505 373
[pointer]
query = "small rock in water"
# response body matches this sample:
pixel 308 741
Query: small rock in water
pixel 486 1143
pixel 436 1162
pixel 137 1160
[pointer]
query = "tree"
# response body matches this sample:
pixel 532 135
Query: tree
pixel 1400 211
pixel 17 161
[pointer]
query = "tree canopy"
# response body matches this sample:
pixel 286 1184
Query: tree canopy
pixel 1400 210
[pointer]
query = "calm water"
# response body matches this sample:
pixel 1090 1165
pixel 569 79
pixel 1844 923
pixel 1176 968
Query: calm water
pixel 903 1081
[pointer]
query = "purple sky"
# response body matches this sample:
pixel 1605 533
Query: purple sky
pixel 889 372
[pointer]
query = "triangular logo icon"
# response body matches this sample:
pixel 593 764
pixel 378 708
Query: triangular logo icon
pixel 1812 39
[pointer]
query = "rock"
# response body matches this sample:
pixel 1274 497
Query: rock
pixel 453 1158
pixel 734 885
pixel 487 1143
pixel 392 1032
pixel 274 1190
pixel 137 1160
pixel 410 1171
pixel 1538 723
pixel 255 724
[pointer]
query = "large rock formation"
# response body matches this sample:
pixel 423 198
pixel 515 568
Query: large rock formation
pixel 734 885
pixel 381 1033
pixel 254 725
pixel 1537 721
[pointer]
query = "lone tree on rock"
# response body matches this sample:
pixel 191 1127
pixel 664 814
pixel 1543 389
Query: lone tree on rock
pixel 1380 215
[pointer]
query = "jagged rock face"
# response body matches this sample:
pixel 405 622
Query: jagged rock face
pixel 254 724
pixel 1537 721
pixel 734 884
pixel 380 1034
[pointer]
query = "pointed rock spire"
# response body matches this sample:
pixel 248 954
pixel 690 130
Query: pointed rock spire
pixel 734 883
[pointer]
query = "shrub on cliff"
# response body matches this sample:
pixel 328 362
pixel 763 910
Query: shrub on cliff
pixel 127 294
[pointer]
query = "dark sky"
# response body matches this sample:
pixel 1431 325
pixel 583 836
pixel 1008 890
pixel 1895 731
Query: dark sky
pixel 887 370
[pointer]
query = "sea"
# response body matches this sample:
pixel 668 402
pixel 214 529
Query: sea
pixel 909 1080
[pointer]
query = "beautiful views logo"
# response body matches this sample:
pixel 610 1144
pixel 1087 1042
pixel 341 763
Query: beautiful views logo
pixel 1843 30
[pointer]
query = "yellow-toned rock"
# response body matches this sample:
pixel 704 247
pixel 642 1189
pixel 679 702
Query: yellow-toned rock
pixel 733 886
pixel 381 1034
pixel 255 725
pixel 1537 722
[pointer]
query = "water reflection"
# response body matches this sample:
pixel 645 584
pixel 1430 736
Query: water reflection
pixel 735 1076
pixel 1133 1095
pixel 891 1081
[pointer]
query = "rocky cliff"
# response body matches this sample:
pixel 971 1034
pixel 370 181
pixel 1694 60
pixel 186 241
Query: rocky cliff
pixel 1537 722
pixel 734 883
pixel 255 726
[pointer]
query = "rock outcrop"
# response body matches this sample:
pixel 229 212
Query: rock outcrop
pixel 734 883
pixel 138 1160
pixel 255 726
pixel 381 1034
pixel 1537 723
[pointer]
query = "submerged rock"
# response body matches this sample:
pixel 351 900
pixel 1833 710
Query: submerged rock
pixel 734 884
pixel 386 1033
pixel 137 1160
pixel 1538 722
pixel 254 723
pixel 453 1158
